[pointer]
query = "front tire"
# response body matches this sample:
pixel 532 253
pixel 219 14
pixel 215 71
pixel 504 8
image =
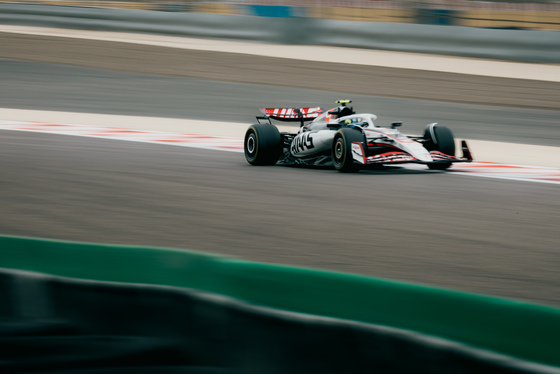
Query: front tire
pixel 439 166
pixel 341 152
pixel 440 138
pixel 263 144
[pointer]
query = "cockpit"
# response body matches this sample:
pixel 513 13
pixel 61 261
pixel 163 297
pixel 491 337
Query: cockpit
pixel 325 119
pixel 362 120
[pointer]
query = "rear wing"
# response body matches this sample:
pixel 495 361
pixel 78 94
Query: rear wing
pixel 292 114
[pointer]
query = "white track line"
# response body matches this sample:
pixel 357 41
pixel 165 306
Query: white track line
pixel 156 137
pixel 235 144
pixel 507 171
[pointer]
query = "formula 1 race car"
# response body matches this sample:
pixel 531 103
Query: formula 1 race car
pixel 348 141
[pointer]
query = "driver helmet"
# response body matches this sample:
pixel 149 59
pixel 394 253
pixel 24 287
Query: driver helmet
pixel 342 110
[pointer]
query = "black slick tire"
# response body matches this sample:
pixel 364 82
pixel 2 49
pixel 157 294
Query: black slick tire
pixel 440 138
pixel 341 152
pixel 263 144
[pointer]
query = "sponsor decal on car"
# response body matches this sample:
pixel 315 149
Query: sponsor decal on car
pixel 358 153
pixel 302 142
pixel 292 113
pixel 390 157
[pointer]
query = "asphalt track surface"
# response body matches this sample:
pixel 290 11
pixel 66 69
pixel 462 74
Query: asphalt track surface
pixel 489 236
pixel 232 67
pixel 474 234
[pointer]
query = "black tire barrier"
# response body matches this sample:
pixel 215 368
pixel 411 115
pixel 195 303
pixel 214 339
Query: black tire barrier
pixel 64 325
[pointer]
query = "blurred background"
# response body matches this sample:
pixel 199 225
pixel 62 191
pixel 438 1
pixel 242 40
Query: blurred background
pixel 504 14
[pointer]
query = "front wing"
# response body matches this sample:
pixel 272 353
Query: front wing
pixel 401 157
pixel 393 157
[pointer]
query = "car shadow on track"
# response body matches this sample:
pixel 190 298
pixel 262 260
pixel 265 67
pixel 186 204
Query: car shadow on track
pixel 398 170
pixel 375 169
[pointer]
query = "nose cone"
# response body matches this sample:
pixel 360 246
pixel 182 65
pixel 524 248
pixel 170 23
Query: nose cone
pixel 419 152
pixel 425 156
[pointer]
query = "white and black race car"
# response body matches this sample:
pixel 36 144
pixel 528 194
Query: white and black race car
pixel 346 140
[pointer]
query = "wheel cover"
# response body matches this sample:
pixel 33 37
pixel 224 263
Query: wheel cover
pixel 339 149
pixel 251 146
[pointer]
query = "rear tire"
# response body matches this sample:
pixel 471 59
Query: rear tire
pixel 444 142
pixel 263 144
pixel 341 152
